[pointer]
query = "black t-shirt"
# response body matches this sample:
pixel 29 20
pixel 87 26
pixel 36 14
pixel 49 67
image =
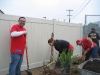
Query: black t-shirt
pixel 94 36
pixel 60 45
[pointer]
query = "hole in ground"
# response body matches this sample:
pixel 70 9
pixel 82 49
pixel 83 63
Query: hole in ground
pixel 50 72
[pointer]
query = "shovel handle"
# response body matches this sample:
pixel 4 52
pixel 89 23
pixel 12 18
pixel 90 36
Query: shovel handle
pixel 26 55
pixel 27 59
pixel 52 35
pixel 51 63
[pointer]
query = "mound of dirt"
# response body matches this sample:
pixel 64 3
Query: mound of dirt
pixel 50 72
pixel 93 65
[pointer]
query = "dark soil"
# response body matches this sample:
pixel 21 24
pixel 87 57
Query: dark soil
pixel 56 71
pixel 50 72
pixel 93 65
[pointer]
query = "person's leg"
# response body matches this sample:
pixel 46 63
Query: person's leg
pixel 97 42
pixel 88 55
pixel 58 64
pixel 98 48
pixel 14 61
pixel 18 71
pixel 95 52
pixel 68 67
pixel 99 51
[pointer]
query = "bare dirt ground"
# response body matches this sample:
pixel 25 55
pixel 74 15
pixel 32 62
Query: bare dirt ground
pixel 40 71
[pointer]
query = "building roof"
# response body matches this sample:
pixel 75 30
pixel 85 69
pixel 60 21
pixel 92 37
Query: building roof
pixel 2 12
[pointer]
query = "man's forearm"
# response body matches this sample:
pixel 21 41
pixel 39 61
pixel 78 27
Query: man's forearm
pixel 89 39
pixel 85 53
pixel 15 33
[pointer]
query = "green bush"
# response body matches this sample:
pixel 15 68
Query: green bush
pixel 67 58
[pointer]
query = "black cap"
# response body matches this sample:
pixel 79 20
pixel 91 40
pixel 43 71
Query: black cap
pixel 93 28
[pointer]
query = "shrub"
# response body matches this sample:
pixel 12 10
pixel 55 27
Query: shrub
pixel 67 58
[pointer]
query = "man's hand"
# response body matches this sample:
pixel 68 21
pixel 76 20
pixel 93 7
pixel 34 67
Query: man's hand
pixel 25 32
pixel 80 59
pixel 26 47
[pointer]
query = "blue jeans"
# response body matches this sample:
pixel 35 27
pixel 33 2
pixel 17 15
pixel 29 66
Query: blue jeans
pixel 15 65
pixel 93 52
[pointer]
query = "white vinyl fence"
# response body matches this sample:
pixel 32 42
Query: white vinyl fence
pixel 39 31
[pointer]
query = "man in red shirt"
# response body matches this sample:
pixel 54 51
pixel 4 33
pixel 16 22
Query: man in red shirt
pixel 18 44
pixel 89 46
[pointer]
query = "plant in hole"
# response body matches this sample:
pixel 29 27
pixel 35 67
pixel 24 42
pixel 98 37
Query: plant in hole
pixel 75 70
pixel 67 58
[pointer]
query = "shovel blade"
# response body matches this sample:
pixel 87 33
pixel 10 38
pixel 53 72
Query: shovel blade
pixel 76 63
pixel 28 72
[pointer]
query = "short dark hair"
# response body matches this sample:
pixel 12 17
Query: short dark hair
pixel 50 40
pixel 22 17
pixel 93 29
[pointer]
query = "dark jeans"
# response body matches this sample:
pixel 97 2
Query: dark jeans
pixel 15 65
pixel 68 67
pixel 93 52
pixel 97 42
pixel 58 64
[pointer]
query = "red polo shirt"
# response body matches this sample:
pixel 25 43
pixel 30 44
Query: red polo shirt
pixel 18 43
pixel 87 44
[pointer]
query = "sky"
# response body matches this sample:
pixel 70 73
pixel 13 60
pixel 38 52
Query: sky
pixel 53 9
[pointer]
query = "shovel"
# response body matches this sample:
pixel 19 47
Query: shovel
pixel 51 57
pixel 48 65
pixel 75 63
pixel 27 71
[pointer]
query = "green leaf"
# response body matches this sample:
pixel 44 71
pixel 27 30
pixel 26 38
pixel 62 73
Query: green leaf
pixel 67 58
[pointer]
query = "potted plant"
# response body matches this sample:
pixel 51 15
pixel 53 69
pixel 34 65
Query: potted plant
pixel 66 60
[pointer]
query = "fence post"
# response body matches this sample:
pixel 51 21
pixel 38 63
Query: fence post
pixel 81 36
pixel 54 31
pixel 54 24
pixel 54 27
